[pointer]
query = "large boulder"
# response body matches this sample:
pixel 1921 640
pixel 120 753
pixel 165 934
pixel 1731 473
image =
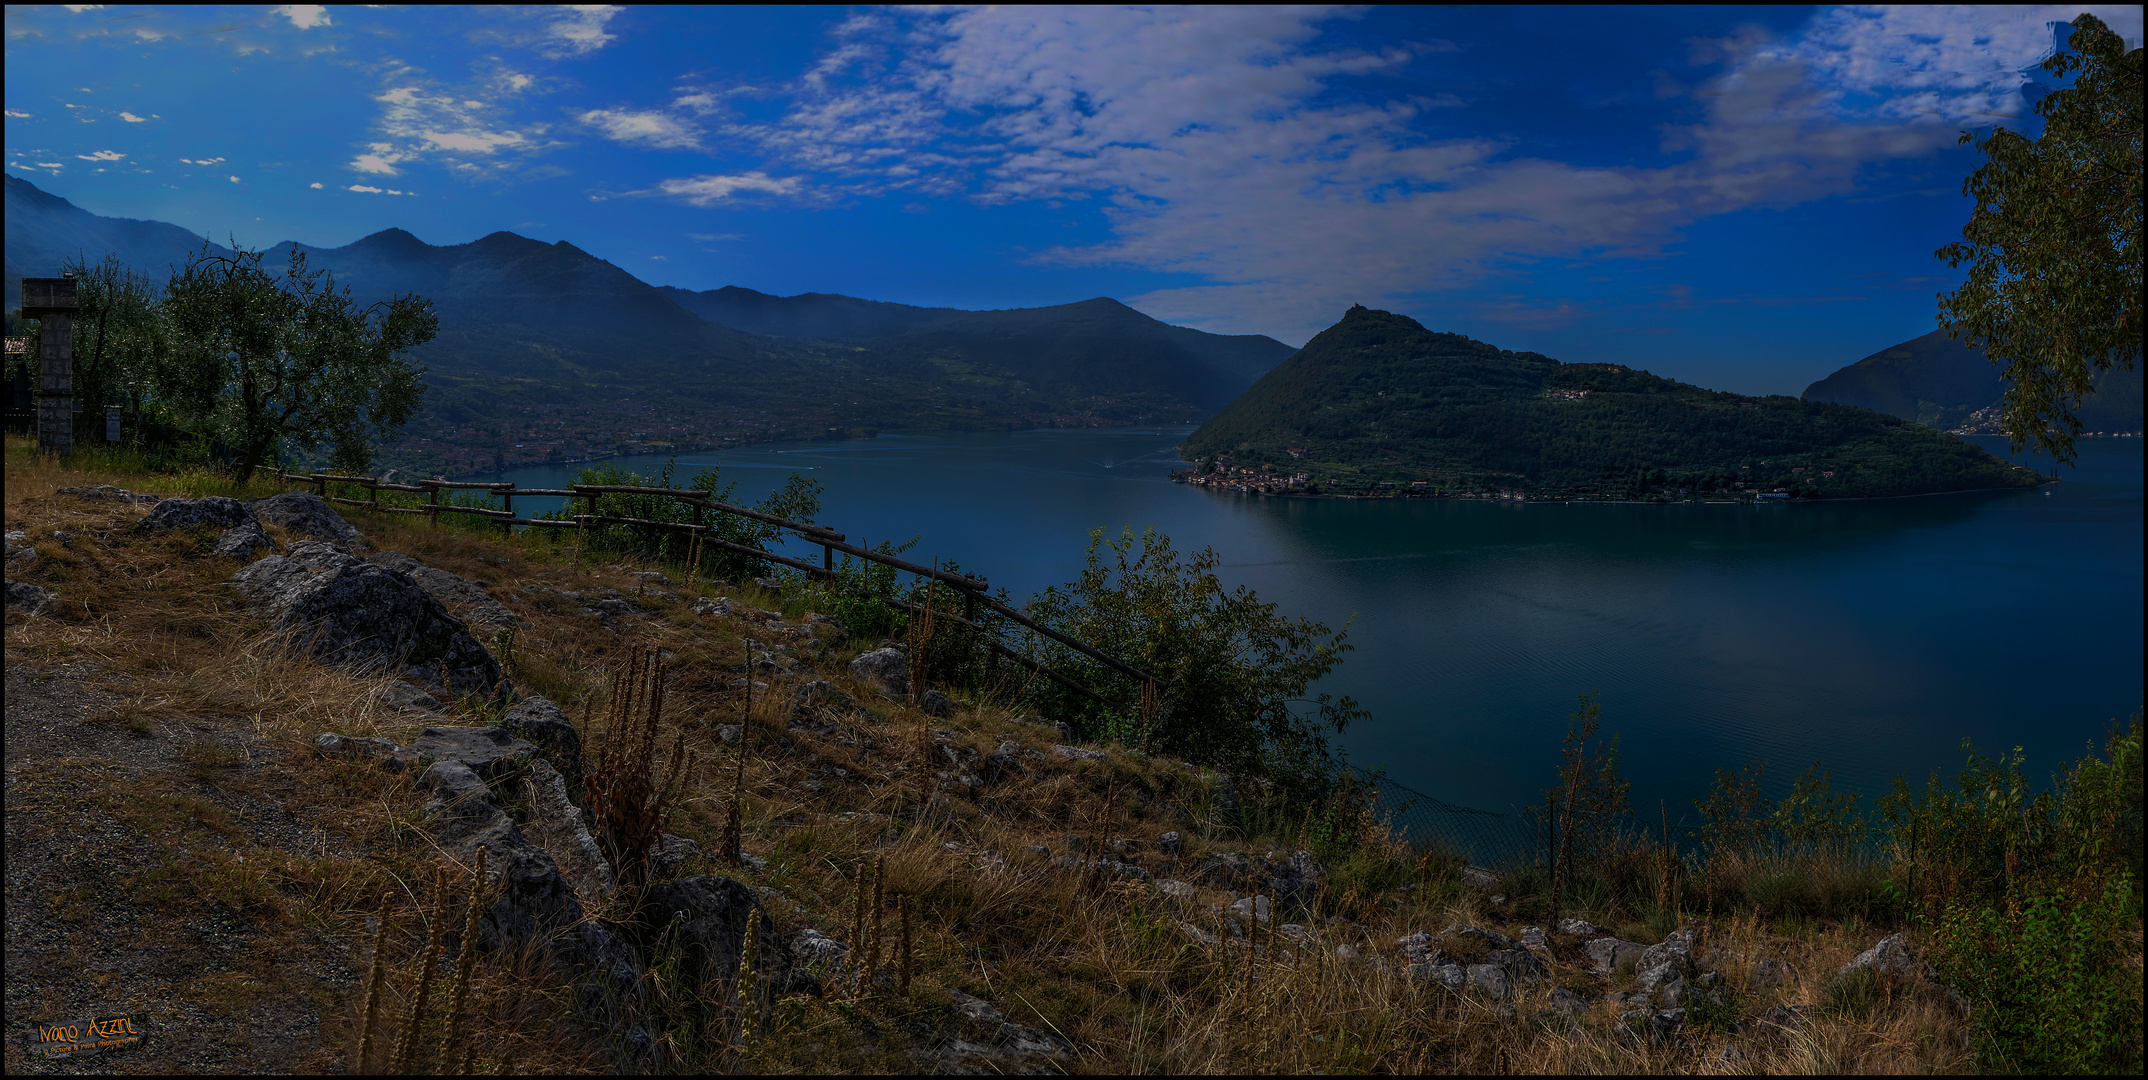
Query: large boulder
pixel 243 542
pixel 1607 953
pixel 453 591
pixel 30 598
pixel 710 913
pixel 1892 956
pixel 886 670
pixel 210 510
pixel 537 719
pixel 364 618
pixel 305 515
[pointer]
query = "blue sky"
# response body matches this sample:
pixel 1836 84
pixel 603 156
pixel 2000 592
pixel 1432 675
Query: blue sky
pixel 1743 197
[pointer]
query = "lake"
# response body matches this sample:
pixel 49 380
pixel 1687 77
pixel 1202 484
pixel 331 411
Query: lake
pixel 1873 635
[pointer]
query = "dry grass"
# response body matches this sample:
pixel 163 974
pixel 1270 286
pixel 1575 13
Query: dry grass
pixel 244 817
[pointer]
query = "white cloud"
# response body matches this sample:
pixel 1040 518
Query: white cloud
pixel 18 115
pixel 364 188
pixel 316 185
pixel 133 119
pixel 305 16
pixel 103 155
pixel 418 123
pixel 710 190
pixel 660 258
pixel 201 161
pixel 652 129
pixel 580 29
pixel 234 179
pixel 1217 142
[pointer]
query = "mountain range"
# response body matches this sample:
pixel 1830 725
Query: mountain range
pixel 1941 382
pixel 526 324
pixel 1377 402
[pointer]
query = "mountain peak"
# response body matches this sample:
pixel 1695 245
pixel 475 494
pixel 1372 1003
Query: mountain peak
pixel 391 241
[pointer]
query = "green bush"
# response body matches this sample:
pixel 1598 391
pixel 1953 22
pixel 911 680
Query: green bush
pixel 2051 991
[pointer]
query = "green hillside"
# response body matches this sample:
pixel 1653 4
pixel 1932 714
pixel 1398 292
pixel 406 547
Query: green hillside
pixel 1939 381
pixel 1379 400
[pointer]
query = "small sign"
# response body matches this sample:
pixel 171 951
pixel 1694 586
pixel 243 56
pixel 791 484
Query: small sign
pixel 111 423
pixel 85 1038
pixel 18 346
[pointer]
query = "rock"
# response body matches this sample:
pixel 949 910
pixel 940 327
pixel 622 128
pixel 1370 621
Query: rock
pixel 1519 964
pixel 712 912
pixel 403 697
pixel 1581 928
pixel 1076 753
pixel 885 670
pixel 1490 939
pixel 670 853
pixel 392 757
pixel 1892 956
pixel 1253 907
pixel 108 493
pixel 1768 974
pixel 243 542
pixel 652 577
pixel 1197 934
pixel 937 704
pixel 1533 938
pixel 1170 844
pixel 454 592
pixel 308 516
pixel 1176 890
pixel 537 719
pixel 1664 982
pixel 1676 947
pixel 822 693
pixel 492 753
pixel 710 605
pixel 1452 976
pixel 1607 954
pixel 1567 1002
pixel 1786 1017
pixel 30 598
pixel 562 828
pixel 210 510
pixel 1490 979
pixel 811 946
pixel 363 617
pixel 1479 879
pixel 976 1008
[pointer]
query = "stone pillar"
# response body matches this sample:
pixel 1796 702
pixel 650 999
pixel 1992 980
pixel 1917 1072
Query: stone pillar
pixel 51 301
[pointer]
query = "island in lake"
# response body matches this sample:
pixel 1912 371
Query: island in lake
pixel 1378 405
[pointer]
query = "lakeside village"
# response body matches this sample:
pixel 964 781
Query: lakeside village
pixel 1265 479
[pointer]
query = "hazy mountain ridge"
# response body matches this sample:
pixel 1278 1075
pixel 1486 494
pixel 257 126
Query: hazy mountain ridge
pixel 1941 382
pixel 530 329
pixel 1378 399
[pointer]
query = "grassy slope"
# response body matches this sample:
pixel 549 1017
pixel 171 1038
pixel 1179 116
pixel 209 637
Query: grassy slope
pixel 1378 397
pixel 242 875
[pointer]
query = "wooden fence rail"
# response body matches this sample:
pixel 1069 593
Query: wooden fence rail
pixel 973 589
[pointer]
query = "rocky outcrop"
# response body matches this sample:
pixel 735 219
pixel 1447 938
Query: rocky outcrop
pixel 705 917
pixel 243 542
pixel 1892 957
pixel 885 670
pixel 29 598
pixel 1606 954
pixel 214 511
pixel 364 617
pixel 537 719
pixel 108 493
pixel 456 593
pixel 307 516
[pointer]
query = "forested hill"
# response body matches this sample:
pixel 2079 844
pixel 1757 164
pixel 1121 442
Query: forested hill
pixel 1378 403
pixel 1939 381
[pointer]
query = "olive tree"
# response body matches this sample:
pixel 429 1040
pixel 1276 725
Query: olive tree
pixel 262 362
pixel 2054 245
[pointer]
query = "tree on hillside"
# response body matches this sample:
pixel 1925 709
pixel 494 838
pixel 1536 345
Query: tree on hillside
pixel 2054 245
pixel 261 362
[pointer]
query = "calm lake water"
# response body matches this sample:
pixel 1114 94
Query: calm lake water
pixel 1872 635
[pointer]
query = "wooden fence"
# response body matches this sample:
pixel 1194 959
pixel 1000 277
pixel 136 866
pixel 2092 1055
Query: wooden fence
pixel 699 533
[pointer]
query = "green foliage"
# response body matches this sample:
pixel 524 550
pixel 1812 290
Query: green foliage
pixel 1734 816
pixel 797 500
pixel 1591 794
pixel 2052 991
pixel 1816 817
pixel 1853 994
pixel 1377 398
pixel 258 362
pixel 862 594
pixel 2054 245
pixel 1232 673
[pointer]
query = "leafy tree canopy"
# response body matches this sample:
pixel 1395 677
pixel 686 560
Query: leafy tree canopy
pixel 262 362
pixel 2054 245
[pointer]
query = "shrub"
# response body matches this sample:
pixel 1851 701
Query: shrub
pixel 2051 992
